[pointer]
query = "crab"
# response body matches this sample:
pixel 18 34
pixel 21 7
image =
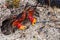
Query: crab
pixel 16 22
pixel 21 17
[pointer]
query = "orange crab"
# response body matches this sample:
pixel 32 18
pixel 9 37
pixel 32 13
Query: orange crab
pixel 21 18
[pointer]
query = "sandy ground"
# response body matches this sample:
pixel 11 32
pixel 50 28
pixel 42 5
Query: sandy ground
pixel 46 28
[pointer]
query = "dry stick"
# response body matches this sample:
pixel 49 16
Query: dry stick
pixel 49 2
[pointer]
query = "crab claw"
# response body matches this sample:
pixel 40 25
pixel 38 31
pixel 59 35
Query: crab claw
pixel 21 27
pixel 34 21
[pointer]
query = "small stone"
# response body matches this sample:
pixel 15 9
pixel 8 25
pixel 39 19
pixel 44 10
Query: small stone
pixel 33 36
pixel 41 28
pixel 48 13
